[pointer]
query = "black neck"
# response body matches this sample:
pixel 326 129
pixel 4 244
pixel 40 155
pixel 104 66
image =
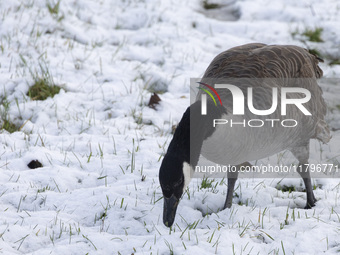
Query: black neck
pixel 192 130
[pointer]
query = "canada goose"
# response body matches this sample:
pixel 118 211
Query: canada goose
pixel 237 146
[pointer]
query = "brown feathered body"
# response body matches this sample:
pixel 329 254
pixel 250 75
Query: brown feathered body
pixel 264 67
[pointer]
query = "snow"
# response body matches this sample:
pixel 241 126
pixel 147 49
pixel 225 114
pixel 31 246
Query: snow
pixel 101 145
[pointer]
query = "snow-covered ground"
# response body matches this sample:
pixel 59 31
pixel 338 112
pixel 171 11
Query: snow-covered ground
pixel 101 145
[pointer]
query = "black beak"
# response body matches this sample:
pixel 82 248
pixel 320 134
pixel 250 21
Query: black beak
pixel 169 210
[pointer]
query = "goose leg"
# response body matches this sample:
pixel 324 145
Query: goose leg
pixel 229 199
pixel 302 155
pixel 304 173
pixel 232 178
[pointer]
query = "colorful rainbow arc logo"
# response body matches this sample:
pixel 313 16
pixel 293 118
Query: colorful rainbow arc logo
pixel 213 90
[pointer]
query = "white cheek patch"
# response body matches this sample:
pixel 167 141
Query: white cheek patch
pixel 187 170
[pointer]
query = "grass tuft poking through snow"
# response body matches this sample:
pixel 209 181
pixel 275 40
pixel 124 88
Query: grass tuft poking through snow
pixel 314 35
pixel 5 122
pixel 41 90
pixel 210 5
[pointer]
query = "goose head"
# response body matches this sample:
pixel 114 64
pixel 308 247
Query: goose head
pixel 182 156
pixel 174 177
